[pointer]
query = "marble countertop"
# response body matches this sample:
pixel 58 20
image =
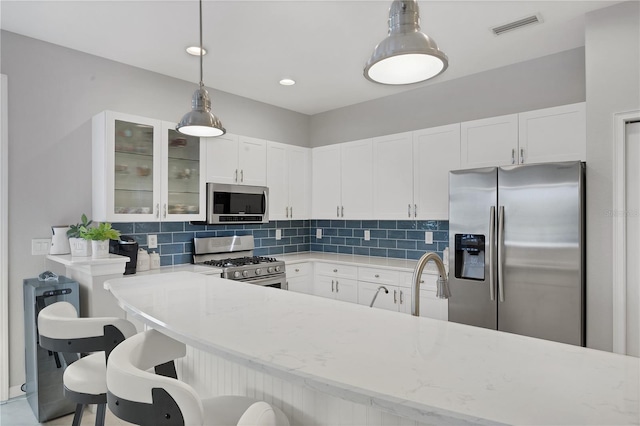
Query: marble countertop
pixel 68 260
pixel 348 259
pixel 423 369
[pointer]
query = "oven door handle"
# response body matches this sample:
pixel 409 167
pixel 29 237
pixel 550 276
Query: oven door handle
pixel 279 279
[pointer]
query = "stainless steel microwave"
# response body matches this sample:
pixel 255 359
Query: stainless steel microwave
pixel 227 204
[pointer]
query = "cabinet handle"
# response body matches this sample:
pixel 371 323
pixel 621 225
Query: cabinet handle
pixel 337 288
pixel 415 210
pixel 335 270
pixel 395 296
pixel 401 301
pixel 291 212
pixel 409 210
pixel 158 211
pixel 521 155
pixel 164 211
pixel 342 212
pixel 377 275
pixel 421 281
pixel 297 270
pixel 337 211
pixel 242 175
pixel 332 290
pixel 513 156
pixel 236 178
pixel 286 210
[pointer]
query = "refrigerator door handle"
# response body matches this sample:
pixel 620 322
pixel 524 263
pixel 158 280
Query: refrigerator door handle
pixel 501 253
pixel 492 246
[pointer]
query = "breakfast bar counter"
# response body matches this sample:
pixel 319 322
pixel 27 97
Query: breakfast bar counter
pixel 419 370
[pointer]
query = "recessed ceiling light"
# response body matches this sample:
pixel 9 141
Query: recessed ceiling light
pixel 195 51
pixel 287 82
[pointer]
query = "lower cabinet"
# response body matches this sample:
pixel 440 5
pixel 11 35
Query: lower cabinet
pixel 336 281
pixel 396 298
pixel 299 277
pixel 430 305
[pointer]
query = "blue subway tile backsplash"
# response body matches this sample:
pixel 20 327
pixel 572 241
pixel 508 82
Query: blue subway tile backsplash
pixel 402 239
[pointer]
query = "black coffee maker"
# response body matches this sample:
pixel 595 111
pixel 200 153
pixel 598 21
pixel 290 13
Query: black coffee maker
pixel 126 246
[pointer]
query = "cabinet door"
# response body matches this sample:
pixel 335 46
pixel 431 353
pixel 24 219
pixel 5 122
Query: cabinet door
pixel 553 134
pixel 277 181
pixel 222 159
pixel 356 180
pixel 436 151
pixel 252 161
pixel 299 181
pixel 393 177
pixel 126 167
pixel 346 290
pixel 489 142
pixel 183 183
pixel 325 182
pixel 324 286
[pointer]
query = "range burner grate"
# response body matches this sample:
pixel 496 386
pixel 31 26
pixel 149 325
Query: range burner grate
pixel 240 261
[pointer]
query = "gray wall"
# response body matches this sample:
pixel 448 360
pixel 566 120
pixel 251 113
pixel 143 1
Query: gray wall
pixel 613 85
pixel 544 82
pixel 53 93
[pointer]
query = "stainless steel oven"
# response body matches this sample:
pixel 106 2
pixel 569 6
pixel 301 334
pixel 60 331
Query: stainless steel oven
pixel 237 204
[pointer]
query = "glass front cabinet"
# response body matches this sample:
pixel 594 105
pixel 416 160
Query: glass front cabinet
pixel 145 171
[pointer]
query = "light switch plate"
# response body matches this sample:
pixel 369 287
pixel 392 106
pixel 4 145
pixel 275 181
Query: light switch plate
pixel 428 237
pixel 152 241
pixel 319 233
pixel 278 234
pixel 40 246
pixel 367 235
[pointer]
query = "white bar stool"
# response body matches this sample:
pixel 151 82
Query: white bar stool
pixel 138 396
pixel 60 330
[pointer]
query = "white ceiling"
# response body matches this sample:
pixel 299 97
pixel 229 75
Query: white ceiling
pixel 323 45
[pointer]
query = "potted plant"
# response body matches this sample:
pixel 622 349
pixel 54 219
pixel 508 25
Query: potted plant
pixel 99 237
pixel 79 246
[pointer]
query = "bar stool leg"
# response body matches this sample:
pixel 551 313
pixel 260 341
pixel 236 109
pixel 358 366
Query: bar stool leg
pixel 77 417
pixel 100 414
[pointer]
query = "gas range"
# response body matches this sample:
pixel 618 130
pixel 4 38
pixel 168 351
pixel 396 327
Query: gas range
pixel 234 255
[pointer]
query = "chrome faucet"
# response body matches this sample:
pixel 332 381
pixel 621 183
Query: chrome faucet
pixel 376 295
pixel 442 287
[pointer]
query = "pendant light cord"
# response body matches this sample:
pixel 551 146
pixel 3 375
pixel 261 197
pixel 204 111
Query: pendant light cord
pixel 201 49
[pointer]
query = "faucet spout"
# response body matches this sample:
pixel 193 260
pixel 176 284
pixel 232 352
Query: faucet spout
pixel 376 295
pixel 442 288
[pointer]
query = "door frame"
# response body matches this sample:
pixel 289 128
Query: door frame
pixel 4 238
pixel 618 215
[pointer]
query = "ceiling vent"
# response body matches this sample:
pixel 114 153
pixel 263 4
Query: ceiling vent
pixel 529 20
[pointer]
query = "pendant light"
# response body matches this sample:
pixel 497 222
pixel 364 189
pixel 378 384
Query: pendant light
pixel 200 121
pixel 407 55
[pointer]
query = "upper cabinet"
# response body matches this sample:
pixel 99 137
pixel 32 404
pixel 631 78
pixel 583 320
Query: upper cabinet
pixel 393 176
pixel 540 136
pixel 236 160
pixel 489 142
pixel 553 134
pixel 289 181
pixel 342 181
pixel 143 170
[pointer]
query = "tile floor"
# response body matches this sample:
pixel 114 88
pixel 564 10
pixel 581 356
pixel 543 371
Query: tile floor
pixel 17 412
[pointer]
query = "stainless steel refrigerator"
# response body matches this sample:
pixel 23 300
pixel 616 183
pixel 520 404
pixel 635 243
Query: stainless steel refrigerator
pixel 517 256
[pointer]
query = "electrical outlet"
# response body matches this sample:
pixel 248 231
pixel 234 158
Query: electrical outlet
pixel 278 234
pixel 367 235
pixel 428 237
pixel 319 233
pixel 152 241
pixel 40 246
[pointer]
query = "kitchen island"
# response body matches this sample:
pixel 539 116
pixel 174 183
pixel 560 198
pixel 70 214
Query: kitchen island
pixel 408 369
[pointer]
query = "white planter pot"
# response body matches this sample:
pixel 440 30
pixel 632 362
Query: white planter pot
pixel 99 249
pixel 80 247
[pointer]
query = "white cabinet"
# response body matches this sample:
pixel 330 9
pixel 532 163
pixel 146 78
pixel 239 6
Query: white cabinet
pixel 300 277
pixel 373 280
pixel 430 305
pixel 489 142
pixel 553 134
pixel 540 136
pixel 436 151
pixel 393 176
pixel 336 281
pixel 288 179
pixel 342 181
pixel 237 160
pixel 144 170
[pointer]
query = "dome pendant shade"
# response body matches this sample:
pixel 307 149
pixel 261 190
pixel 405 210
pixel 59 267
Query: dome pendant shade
pixel 200 121
pixel 407 55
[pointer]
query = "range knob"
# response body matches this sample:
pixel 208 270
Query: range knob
pixel 245 273
pixel 270 269
pixel 258 271
pixel 236 274
pixel 278 268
